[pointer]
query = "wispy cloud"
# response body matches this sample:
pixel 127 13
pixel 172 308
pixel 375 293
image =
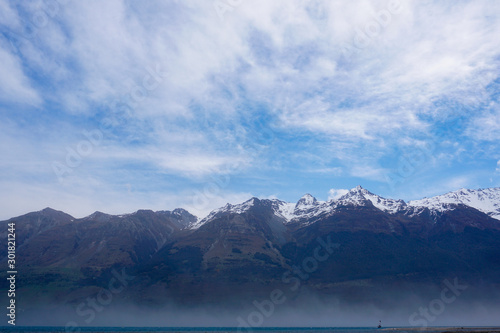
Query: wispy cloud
pixel 334 92
pixel 15 86
pixel 336 193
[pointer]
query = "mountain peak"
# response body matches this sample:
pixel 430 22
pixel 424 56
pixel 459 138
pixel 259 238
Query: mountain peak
pixel 51 211
pixel 179 211
pixel 228 208
pixel 53 214
pixel 359 196
pixel 357 192
pixel 355 196
pixel 98 216
pixel 359 189
pixel 307 200
pixel 485 200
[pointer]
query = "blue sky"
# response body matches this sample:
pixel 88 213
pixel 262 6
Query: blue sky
pixel 120 105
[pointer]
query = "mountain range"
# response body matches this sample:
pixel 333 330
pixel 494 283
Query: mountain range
pixel 360 248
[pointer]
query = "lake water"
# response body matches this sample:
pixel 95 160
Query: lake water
pixel 47 329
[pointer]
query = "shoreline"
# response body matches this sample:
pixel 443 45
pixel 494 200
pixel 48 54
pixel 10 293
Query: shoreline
pixel 446 329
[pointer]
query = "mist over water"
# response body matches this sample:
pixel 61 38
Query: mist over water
pixel 305 310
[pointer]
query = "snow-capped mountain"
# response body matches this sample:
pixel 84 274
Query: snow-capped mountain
pixel 228 208
pixel 485 200
pixel 307 201
pixel 308 208
pixel 359 196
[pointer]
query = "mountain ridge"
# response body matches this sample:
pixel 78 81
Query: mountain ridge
pixel 243 251
pixel 486 200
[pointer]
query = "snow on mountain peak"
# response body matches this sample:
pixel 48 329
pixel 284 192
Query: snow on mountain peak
pixel 228 208
pixel 484 200
pixel 240 208
pixel 308 207
pixel 306 201
pixel 359 196
pixel 355 196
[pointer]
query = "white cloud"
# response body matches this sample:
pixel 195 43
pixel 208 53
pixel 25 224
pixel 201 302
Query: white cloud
pixel 486 126
pixel 368 172
pixel 8 16
pixel 498 167
pixel 279 58
pixel 15 86
pixel 353 124
pixel 457 182
pixel 331 171
pixel 113 43
pixel 199 164
pixel 335 193
pixel 418 68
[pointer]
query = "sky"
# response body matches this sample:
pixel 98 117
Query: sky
pixel 117 105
